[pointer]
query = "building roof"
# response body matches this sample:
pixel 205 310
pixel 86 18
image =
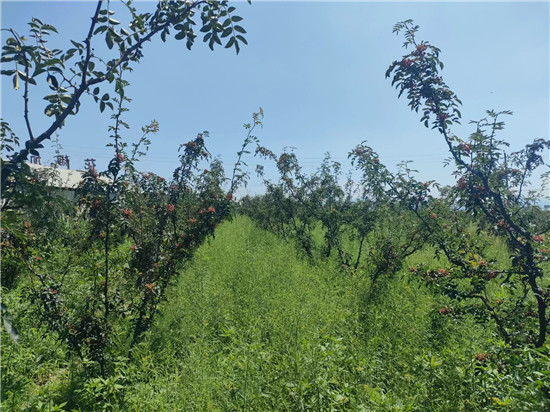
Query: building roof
pixel 58 177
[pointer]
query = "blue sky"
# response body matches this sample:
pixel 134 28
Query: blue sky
pixel 317 69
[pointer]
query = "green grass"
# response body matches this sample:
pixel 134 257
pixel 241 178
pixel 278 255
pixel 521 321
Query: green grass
pixel 252 326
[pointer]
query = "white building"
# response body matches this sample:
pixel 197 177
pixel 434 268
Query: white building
pixel 66 181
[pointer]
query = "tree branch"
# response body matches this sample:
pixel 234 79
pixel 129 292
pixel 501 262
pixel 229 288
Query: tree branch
pixel 22 155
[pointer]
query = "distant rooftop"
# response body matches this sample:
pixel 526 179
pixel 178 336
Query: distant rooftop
pixel 62 178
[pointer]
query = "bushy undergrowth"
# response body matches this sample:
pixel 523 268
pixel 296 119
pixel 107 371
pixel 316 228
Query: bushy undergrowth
pixel 252 326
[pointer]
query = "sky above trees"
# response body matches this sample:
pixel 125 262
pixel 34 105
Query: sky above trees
pixel 317 70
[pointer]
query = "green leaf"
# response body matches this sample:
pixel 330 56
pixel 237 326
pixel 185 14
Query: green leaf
pixel 70 53
pixel 216 38
pixel 51 62
pixel 16 81
pixel 100 29
pixel 109 39
pixel 51 97
pixel 230 42
pixel 25 78
pixel 180 35
pixel 236 19
pixel 206 28
pixel 77 45
pixel 53 81
pixel 240 29
pixel 65 98
pixel 227 32
pixel 242 39
pixel 49 27
pixel 50 110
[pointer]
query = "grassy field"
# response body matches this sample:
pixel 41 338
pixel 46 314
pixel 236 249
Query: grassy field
pixel 251 326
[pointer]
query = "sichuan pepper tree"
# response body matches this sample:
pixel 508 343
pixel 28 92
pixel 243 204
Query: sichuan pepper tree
pixel 377 210
pixel 356 218
pixel 131 237
pixel 71 74
pixel 491 183
pixel 293 206
pixel 78 70
pixel 293 215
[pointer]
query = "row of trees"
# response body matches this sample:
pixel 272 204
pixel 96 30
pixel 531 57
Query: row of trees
pixel 357 220
pixel 96 272
pixel 491 203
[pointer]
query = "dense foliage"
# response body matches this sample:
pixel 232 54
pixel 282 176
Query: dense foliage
pixel 491 184
pixel 488 204
pixel 404 295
